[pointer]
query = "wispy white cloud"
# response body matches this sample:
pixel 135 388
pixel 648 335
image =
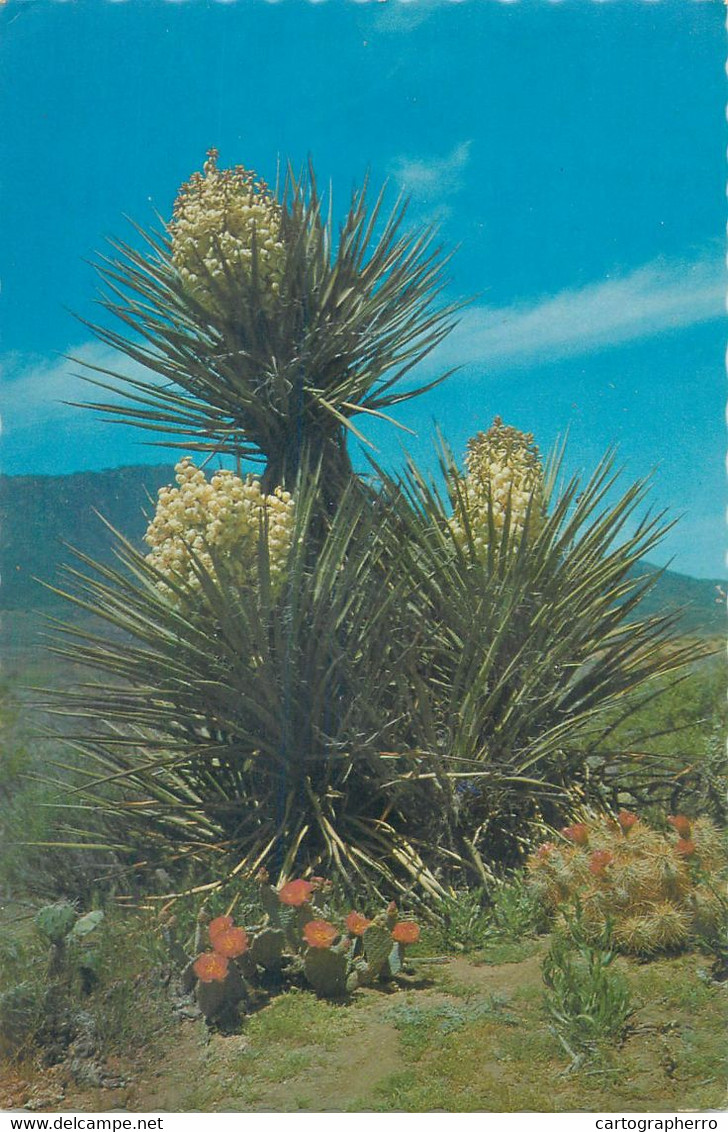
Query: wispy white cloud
pixel 406 15
pixel 34 389
pixel 428 178
pixel 653 299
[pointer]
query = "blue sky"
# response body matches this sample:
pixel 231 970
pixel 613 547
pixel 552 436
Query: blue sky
pixel 573 150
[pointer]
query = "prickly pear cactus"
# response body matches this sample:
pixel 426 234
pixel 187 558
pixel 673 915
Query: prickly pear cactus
pixel 215 999
pixel 84 925
pixel 377 949
pixel 326 971
pixel 286 917
pixel 55 921
pixel 289 918
pixel 395 959
pixel 267 948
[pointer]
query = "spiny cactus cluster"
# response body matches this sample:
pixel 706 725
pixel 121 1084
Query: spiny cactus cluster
pixel 226 227
pixel 503 487
pixel 655 889
pixel 225 516
pixel 297 939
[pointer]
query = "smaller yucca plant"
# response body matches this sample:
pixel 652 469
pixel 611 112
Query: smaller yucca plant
pixel 656 888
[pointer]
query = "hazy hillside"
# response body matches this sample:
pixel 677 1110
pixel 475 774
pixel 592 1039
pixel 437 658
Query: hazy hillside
pixel 38 514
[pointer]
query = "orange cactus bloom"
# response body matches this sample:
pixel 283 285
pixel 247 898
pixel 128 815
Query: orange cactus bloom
pixel 357 924
pixel 211 967
pixel 685 847
pixel 599 861
pixel 319 933
pixel 295 893
pixel 681 825
pixel 231 943
pixel 578 833
pixel 406 931
pixel 626 821
pixel 219 925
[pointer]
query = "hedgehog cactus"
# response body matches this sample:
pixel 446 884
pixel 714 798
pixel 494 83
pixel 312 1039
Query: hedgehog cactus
pixel 655 889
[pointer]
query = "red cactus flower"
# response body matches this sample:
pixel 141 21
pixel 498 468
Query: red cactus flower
pixel 319 933
pixel 218 925
pixel 626 821
pixel 544 851
pixel 295 893
pixel 357 924
pixel 231 943
pixel 685 847
pixel 406 931
pixel 578 833
pixel 599 861
pixel 211 967
pixel 681 825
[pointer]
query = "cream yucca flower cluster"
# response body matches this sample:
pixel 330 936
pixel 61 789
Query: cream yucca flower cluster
pixel 504 471
pixel 219 215
pixel 223 517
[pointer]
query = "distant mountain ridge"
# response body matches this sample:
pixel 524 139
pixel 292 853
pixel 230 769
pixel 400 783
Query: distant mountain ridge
pixel 39 514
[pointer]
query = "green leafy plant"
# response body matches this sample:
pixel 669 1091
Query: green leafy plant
pixel 254 720
pixel 271 362
pixel 586 1002
pixel 529 635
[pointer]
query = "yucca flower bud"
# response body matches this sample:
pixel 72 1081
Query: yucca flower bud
pixel 503 488
pixel 226 224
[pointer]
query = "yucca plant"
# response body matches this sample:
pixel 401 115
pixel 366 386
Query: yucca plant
pixel 528 604
pixel 263 333
pixel 257 721
pixel 400 681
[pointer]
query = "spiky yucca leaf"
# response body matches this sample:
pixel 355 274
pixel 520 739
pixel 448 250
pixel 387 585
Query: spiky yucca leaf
pixel 276 377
